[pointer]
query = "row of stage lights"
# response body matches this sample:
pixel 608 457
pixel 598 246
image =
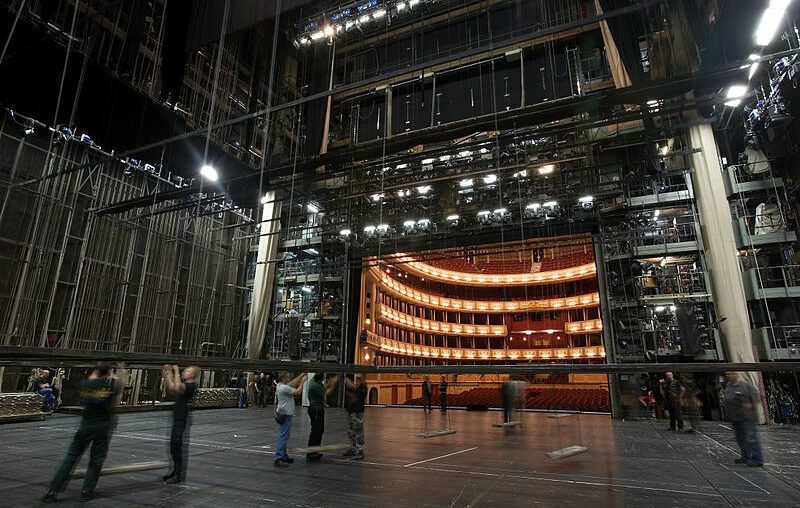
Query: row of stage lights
pixel 483 216
pixel 355 15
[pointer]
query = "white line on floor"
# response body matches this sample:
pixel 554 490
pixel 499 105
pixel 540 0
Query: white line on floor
pixel 725 426
pixel 745 479
pixel 441 457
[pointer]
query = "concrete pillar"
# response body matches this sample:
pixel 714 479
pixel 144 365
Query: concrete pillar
pixel 263 285
pixel 719 246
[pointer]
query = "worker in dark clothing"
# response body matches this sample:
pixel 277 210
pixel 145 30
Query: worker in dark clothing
pixel 673 392
pixel 443 393
pixel 741 401
pixel 317 393
pixel 427 395
pixel 507 398
pixel 98 394
pixel 43 387
pixel 183 385
pixel 355 399
pixel 261 390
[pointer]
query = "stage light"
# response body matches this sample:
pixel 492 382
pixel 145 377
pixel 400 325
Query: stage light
pixel 663 262
pixel 533 206
pixel 521 174
pixel 311 207
pixel 306 289
pixel 586 199
pixel 491 178
pixel 453 217
pixel 660 308
pixel 402 166
pixel 445 158
pixel 400 7
pixel 550 204
pixel 464 153
pixel 423 189
pixel 467 182
pixel 345 232
pixel 770 22
pixel 363 19
pixel 265 200
pixel 672 308
pixel 656 213
pixel 383 227
pixel 349 24
pixel 735 94
pixel 484 213
pixel 500 211
pixel 379 14
pixel 410 223
pixel 317 35
pixel 369 229
pixel 428 161
pixel 412 3
pixel 546 169
pixel 209 173
pixel 328 31
pixel 376 197
pixel 423 222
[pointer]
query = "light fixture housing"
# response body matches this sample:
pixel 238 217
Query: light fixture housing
pixel 345 232
pixel 546 169
pixel 550 204
pixel 490 178
pixel 453 217
pixel 465 183
pixel 586 199
pixel 312 208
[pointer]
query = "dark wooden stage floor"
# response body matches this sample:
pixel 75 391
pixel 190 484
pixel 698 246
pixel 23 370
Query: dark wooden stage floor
pixel 637 463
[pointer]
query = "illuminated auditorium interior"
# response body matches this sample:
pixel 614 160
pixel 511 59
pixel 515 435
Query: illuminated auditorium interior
pixel 581 195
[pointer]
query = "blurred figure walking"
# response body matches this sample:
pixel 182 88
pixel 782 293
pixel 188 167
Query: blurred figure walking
pixel 98 394
pixel 427 394
pixel 741 398
pixel 355 399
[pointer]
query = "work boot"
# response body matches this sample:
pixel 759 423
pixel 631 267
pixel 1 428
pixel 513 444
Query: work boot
pixel 50 497
pixel 349 453
pixel 87 495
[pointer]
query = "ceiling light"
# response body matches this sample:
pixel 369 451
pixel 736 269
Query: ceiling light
pixel 383 227
pixel 379 14
pixel 467 182
pixel 345 232
pixel 423 222
pixel 209 173
pixel 656 213
pixel 428 161
pixel 586 199
pixel 500 211
pixel 533 206
pixel 484 150
pixel 400 7
pixel 423 189
pixel 551 204
pixel 453 217
pixel 464 153
pixel 410 223
pixel 311 207
pixel 660 308
pixel 376 197
pixel 521 174
pixel 770 22
pixel 490 178
pixel 349 24
pixel 412 3
pixel 369 229
pixel 546 169
pixel 317 35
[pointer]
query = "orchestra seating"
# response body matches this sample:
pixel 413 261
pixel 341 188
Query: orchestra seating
pixel 505 267
pixel 571 399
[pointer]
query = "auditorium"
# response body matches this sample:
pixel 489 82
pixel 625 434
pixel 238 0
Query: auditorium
pixel 404 253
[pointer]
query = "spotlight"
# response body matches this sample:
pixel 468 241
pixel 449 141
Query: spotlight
pixel 453 217
pixel 306 289
pixel 500 211
pixel 660 308
pixel 328 31
pixel 28 130
pixel 586 199
pixel 317 35
pixel 345 232
pixel 369 229
pixel 376 197
pixel 311 207
pixel 467 182
pixel 445 158
pixel 484 213
pixel 735 94
pixel 533 206
pixel 428 161
pixel 663 262
pixel 521 174
pixel 464 153
pixel 379 14
pixel 363 19
pixel 209 173
pixel 423 222
pixel 551 204
pixel 546 169
pixel 410 223
pixel 265 200
pixel 423 189
pixel 349 24
pixel 383 228
pixel 489 178
pixel 402 166
pixel 672 308
pixel 400 7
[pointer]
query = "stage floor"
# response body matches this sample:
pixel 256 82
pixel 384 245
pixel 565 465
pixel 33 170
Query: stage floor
pixel 631 463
